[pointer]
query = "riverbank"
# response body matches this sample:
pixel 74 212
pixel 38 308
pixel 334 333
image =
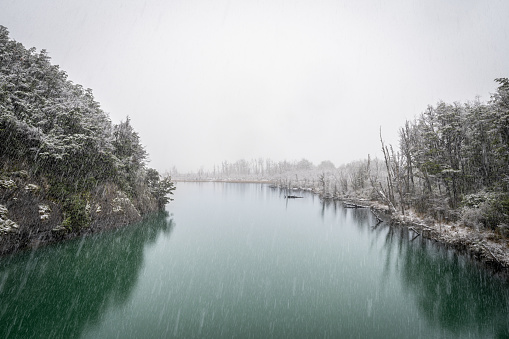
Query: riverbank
pixel 483 245
pixel 30 216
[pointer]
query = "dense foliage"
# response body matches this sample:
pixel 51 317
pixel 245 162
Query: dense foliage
pixel 58 131
pixel 453 162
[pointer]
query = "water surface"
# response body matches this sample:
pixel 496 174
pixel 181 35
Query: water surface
pixel 239 260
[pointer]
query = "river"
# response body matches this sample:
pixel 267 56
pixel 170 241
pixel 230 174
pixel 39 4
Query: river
pixel 240 260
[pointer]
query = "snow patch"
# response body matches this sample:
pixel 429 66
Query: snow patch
pixel 3 211
pixel 7 183
pixel 44 212
pixel 31 188
pixel 6 225
pixel 121 203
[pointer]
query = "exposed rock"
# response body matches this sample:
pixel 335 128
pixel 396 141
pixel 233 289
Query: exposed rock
pixel 29 217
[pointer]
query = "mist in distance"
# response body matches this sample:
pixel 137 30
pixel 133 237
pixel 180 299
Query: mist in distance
pixel 205 82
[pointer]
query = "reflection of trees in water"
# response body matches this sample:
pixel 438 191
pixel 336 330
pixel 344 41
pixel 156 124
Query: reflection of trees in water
pixel 362 216
pixel 236 188
pixel 329 205
pixel 56 291
pixel 449 290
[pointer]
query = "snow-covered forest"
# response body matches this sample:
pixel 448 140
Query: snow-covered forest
pixel 452 163
pixel 54 134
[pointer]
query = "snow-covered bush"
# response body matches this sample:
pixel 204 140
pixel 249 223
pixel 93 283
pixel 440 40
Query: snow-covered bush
pixel 472 217
pixel 488 209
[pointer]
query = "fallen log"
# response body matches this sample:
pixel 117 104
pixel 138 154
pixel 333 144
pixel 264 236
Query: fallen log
pixel 293 197
pixel 378 219
pixel 352 205
pixel 415 231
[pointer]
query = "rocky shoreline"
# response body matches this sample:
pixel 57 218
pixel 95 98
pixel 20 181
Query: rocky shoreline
pixel 30 217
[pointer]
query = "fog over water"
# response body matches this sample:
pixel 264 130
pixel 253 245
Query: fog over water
pixel 210 81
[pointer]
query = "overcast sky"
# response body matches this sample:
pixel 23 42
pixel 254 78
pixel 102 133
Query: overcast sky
pixel 207 81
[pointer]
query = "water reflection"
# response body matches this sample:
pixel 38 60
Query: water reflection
pixel 241 265
pixel 326 205
pixel 451 292
pixel 361 216
pixel 56 291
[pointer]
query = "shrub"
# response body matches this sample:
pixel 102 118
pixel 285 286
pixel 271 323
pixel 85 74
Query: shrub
pixel 488 209
pixel 76 212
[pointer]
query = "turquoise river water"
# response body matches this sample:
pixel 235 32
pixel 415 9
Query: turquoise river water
pixel 241 261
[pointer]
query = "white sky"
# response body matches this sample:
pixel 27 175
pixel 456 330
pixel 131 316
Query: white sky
pixel 207 81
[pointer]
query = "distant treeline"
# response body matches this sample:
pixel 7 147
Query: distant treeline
pixel 257 169
pixel 55 130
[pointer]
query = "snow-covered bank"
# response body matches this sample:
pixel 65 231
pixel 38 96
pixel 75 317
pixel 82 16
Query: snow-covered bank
pixel 30 216
pixel 482 245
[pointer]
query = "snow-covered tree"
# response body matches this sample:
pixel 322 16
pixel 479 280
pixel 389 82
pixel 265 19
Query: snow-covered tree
pixel 58 130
